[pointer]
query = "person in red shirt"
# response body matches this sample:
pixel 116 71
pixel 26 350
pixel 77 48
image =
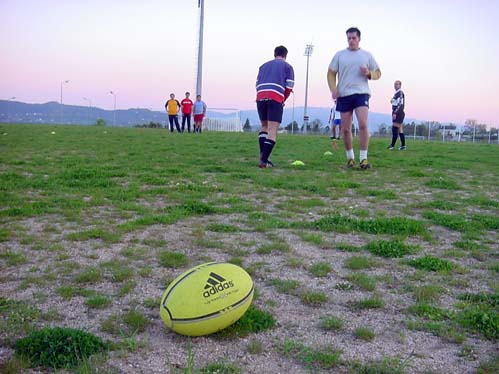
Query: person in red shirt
pixel 186 107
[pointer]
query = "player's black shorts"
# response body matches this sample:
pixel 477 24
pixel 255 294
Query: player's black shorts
pixel 269 110
pixel 350 102
pixel 399 118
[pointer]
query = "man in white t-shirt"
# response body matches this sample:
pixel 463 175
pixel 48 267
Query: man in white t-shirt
pixel 354 67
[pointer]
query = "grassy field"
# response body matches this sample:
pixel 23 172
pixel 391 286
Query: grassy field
pixel 390 270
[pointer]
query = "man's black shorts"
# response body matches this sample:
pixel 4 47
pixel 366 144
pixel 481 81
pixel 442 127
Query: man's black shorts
pixel 350 102
pixel 399 118
pixel 269 110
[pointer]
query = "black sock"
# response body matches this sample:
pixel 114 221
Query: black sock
pixel 268 145
pixel 395 133
pixel 402 139
pixel 262 136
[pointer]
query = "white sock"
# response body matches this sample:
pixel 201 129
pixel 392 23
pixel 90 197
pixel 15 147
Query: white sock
pixel 350 154
pixel 363 155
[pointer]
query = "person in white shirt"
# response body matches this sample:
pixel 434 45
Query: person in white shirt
pixel 354 67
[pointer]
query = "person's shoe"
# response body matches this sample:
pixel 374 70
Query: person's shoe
pixel 350 163
pixel 390 147
pixel 365 165
pixel 402 148
pixel 264 165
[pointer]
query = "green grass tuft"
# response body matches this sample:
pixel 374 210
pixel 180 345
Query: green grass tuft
pixel 320 269
pixel 331 323
pixel 58 348
pixel 364 333
pixel 390 249
pixel 430 263
pixel 169 259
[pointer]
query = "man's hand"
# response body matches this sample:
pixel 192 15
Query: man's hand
pixel 394 116
pixel 335 94
pixel 364 71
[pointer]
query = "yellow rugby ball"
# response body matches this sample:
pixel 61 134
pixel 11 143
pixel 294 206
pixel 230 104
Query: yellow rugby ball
pixel 206 299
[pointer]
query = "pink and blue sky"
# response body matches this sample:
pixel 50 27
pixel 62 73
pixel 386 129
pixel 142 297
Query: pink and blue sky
pixel 445 52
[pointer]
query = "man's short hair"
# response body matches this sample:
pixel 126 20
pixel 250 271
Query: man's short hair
pixel 354 29
pixel 187 93
pixel 280 51
pixel 399 82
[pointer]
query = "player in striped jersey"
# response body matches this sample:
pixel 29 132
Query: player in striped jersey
pixel 274 84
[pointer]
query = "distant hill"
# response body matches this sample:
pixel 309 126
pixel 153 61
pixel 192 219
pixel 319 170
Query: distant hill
pixel 50 113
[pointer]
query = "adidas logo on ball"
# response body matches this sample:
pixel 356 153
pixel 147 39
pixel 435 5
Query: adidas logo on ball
pixel 215 284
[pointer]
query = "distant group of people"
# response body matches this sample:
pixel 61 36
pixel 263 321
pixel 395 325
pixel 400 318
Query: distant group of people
pixel 354 67
pixel 187 109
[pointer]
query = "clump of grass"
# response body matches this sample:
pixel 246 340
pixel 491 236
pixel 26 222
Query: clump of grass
pixel 17 317
pixel 364 333
pixel 136 321
pixel 280 246
pixel 359 262
pixel 346 247
pixel 236 261
pixel 220 227
pixel 313 298
pixel 220 368
pixel 457 222
pixel 444 330
pixel 429 311
pixel 444 184
pixel 294 262
pixel 255 347
pixel 489 367
pixel 126 288
pixel 374 302
pixel 494 267
pixel 253 321
pixel 119 272
pixel 312 358
pixel 98 302
pixel 13 258
pixel 67 347
pixel 286 286
pixel 89 275
pixel 134 253
pixel 490 300
pixel 331 323
pixel 320 269
pixel 390 249
pixel 312 238
pixel 386 366
pixel 362 281
pixel 151 303
pixel 172 259
pixel 481 319
pixel 430 263
pixel 428 293
pixel 112 325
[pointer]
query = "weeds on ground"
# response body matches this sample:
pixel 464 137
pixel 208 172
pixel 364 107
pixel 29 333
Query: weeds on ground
pixel 364 333
pixel 326 358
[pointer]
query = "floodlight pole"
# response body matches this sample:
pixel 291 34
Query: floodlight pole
pixel 8 107
pixel 308 52
pixel 199 80
pixel 61 111
pixel 89 107
pixel 114 110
